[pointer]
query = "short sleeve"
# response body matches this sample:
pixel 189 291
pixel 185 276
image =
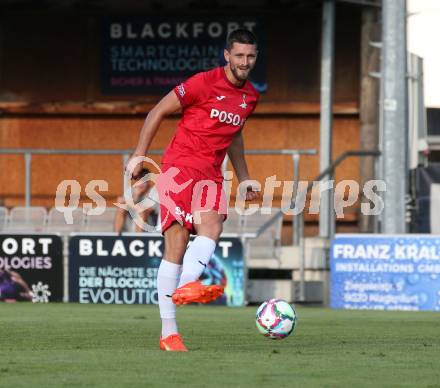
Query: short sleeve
pixel 188 92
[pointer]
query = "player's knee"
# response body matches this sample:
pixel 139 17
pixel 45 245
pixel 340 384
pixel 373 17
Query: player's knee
pixel 180 239
pixel 211 230
pixel 218 229
pixel 176 239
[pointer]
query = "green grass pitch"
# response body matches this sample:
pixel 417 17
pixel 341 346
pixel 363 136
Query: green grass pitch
pixel 59 345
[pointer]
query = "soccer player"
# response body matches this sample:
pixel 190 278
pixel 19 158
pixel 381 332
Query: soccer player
pixel 215 105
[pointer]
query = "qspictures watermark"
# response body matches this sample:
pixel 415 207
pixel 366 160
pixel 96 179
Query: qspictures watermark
pixel 293 199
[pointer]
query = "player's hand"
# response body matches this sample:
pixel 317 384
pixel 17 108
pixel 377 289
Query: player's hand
pixel 137 169
pixel 252 194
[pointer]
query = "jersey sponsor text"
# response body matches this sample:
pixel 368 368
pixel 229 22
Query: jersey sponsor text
pixel 225 117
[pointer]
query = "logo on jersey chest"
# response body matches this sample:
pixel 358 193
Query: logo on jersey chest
pixel 243 104
pixel 225 117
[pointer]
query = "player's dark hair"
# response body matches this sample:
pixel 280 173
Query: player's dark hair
pixel 240 36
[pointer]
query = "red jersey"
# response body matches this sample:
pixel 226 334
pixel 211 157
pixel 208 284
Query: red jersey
pixel 214 110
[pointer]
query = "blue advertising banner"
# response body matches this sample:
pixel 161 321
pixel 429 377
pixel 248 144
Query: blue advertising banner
pixel 388 272
pixel 151 55
pixel 114 269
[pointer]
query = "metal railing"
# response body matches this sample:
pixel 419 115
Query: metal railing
pixel 298 221
pixel 29 152
pixel 329 171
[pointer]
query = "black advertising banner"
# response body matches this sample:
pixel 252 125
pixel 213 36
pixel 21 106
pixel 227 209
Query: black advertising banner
pixel 31 268
pixel 113 269
pixel 151 55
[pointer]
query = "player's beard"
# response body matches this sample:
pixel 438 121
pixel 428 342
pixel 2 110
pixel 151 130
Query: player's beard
pixel 240 75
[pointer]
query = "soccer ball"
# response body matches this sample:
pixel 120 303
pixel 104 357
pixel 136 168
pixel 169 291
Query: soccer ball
pixel 276 319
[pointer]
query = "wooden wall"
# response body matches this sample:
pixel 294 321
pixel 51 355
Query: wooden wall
pixel 50 98
pixel 122 132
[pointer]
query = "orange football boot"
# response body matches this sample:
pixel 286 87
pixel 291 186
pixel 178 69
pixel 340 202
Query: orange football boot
pixel 196 292
pixel 172 343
